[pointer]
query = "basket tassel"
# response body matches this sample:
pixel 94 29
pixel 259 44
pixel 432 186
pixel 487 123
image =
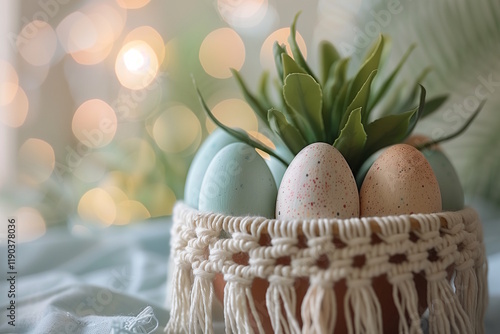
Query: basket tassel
pixel 362 303
pixel 281 301
pixel 405 299
pixel 319 309
pixel 202 295
pixel 180 300
pixel 446 315
pixel 466 287
pixel 482 288
pixel 237 299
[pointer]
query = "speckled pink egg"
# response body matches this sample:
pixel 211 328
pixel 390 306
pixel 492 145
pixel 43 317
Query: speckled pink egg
pixel 318 183
pixel 400 181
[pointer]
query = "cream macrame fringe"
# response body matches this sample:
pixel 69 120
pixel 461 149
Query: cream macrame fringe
pixel 447 248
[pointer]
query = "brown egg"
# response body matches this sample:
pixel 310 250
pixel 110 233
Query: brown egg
pixel 400 181
pixel 416 140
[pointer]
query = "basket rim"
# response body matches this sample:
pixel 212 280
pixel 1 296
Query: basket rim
pixel 447 219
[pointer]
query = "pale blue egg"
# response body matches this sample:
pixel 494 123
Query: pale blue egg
pixel 238 182
pixel 452 194
pixel 210 147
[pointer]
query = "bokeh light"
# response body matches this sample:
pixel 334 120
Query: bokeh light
pixel 162 200
pixel 91 167
pixel 177 129
pixel 89 34
pixel 94 123
pixel 138 155
pixel 234 113
pixel 149 35
pixel 132 4
pixel 129 211
pixel 14 114
pixel 30 224
pixel 97 206
pixel 220 51
pixel 136 65
pixel 242 14
pixel 280 36
pixel 36 161
pixel 37 43
pixel 9 83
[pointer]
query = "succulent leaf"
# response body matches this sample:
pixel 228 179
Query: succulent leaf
pixel 372 63
pixel 388 130
pixel 390 79
pixel 287 132
pixel 352 139
pixel 458 132
pixel 303 94
pixel 331 90
pixel 290 66
pixel 297 54
pixel 278 50
pixel 238 133
pixel 434 104
pixel 360 101
pixel 252 100
pixel 329 56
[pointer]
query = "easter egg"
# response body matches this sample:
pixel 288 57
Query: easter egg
pixel 210 147
pixel 400 181
pixel 318 183
pixel 238 182
pixel 452 193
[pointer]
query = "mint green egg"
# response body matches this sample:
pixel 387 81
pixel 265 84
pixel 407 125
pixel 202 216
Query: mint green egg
pixel 238 182
pixel 210 147
pixel 452 194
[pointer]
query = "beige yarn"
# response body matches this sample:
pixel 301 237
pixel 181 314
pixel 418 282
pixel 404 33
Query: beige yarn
pixel 199 252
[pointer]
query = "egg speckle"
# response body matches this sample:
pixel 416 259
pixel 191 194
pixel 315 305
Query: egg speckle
pixel 400 181
pixel 318 183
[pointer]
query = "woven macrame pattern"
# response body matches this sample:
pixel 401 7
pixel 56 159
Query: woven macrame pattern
pixel 447 248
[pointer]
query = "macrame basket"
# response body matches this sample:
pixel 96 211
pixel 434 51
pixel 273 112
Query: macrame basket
pixel 366 275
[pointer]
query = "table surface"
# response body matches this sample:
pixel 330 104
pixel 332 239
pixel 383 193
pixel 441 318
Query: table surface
pixel 70 284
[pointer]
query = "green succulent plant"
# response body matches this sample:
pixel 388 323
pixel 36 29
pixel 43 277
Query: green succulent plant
pixel 335 108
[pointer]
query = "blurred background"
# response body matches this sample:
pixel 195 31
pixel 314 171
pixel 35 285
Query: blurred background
pixel 99 119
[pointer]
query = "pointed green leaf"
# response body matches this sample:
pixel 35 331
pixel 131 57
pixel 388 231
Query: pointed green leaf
pixel 352 139
pixel 252 100
pixel 264 91
pixel 332 114
pixel 456 133
pixel 420 108
pixel 297 54
pixel 434 104
pixel 278 50
pixel 339 108
pixel 388 82
pixel 329 56
pixel 287 132
pixel 360 101
pixel 237 133
pixel 372 63
pixel 387 131
pixel 303 94
pixel 290 66
pixel 409 103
